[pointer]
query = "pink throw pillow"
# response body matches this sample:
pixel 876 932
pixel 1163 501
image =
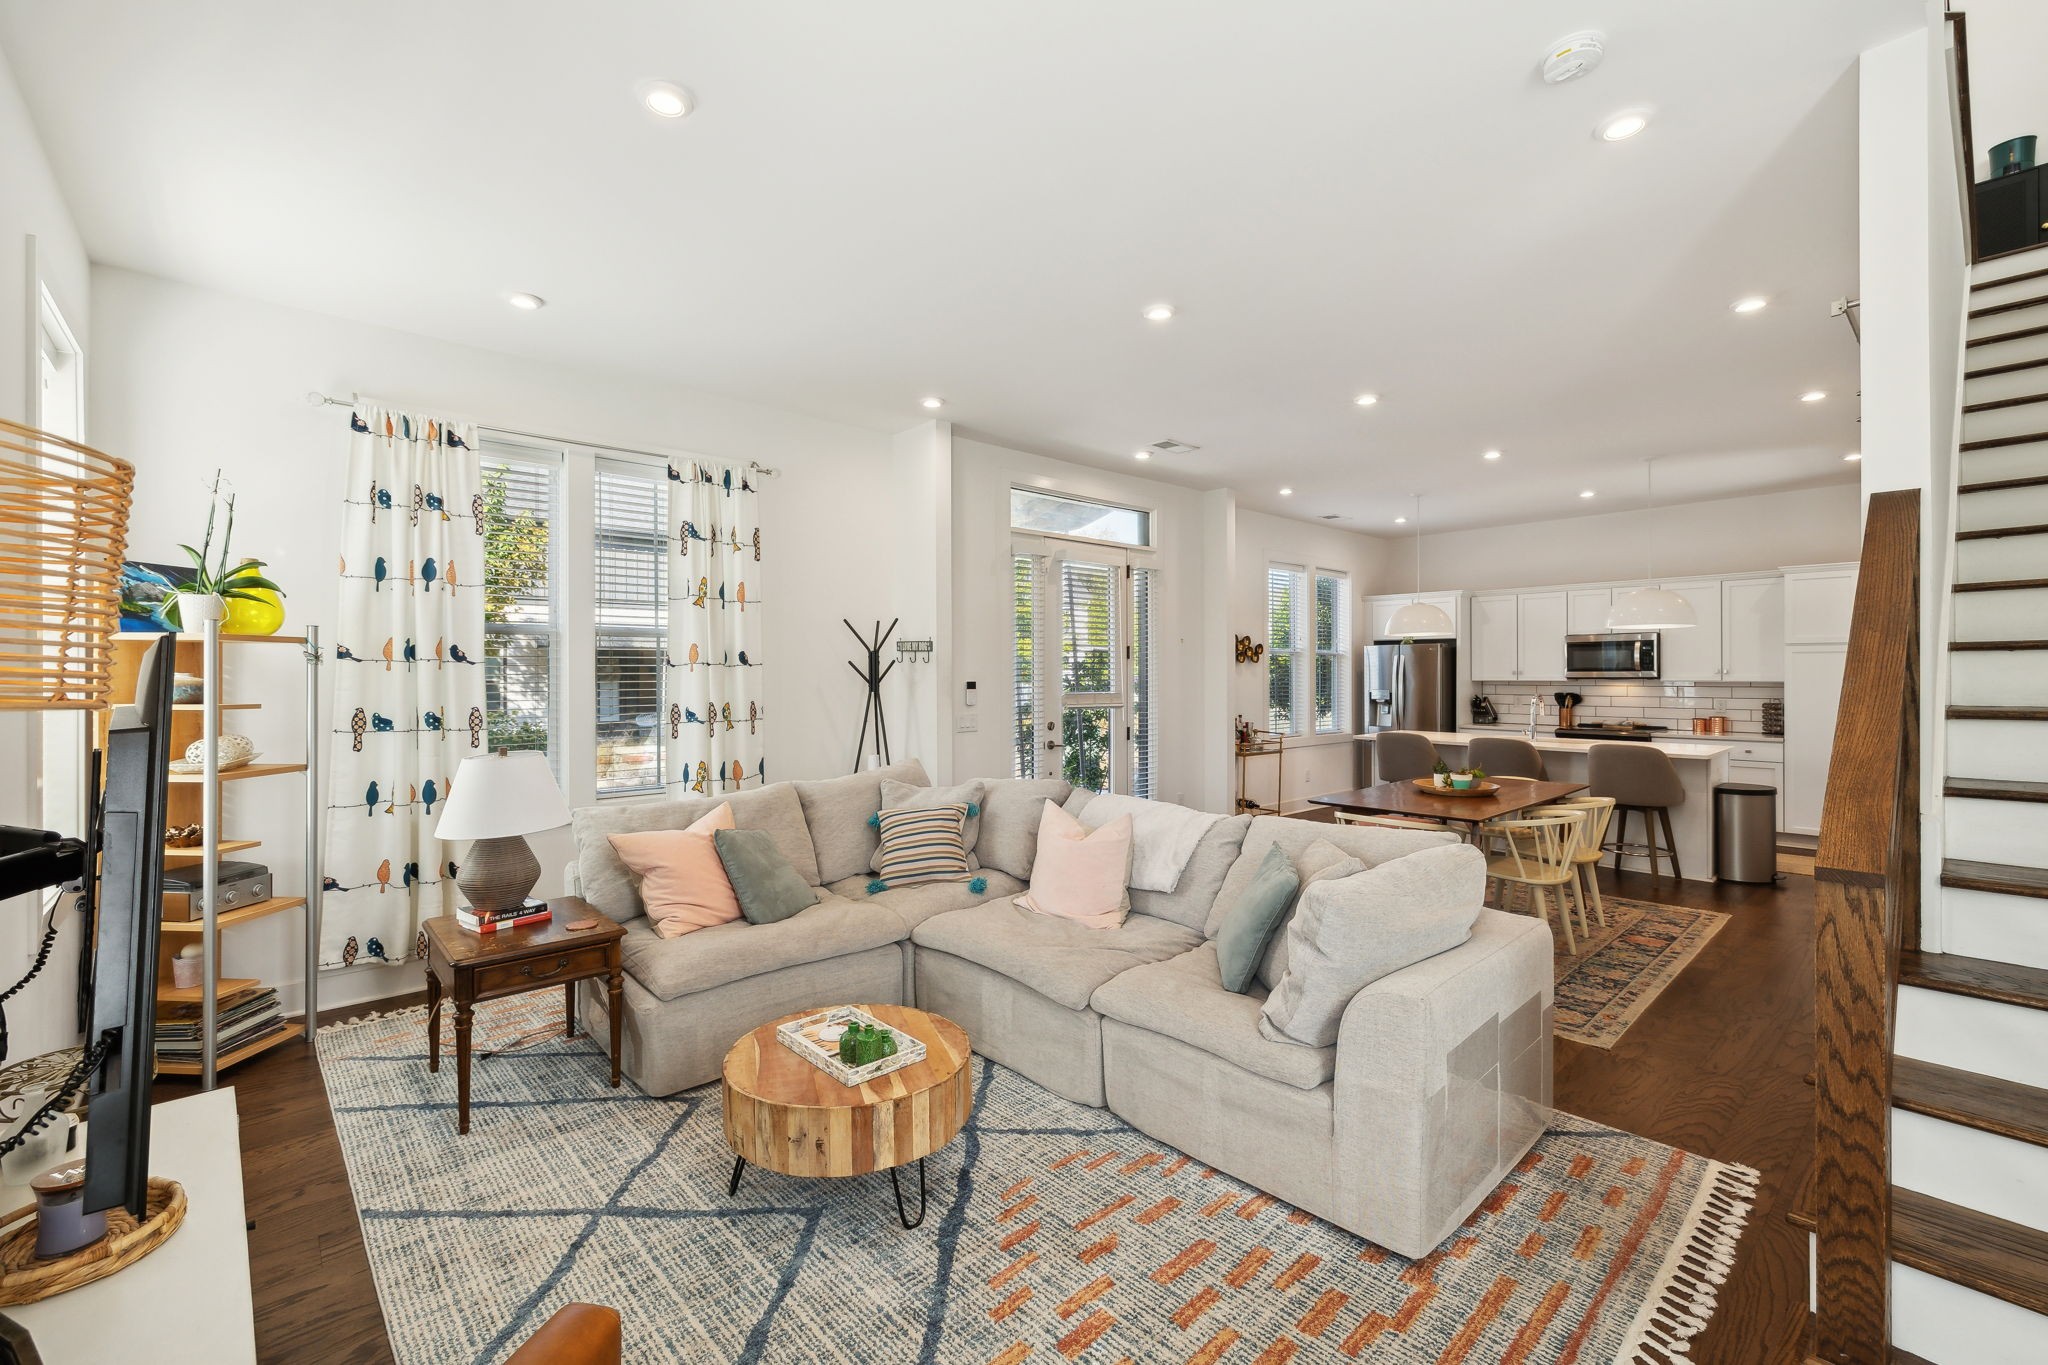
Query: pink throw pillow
pixel 1080 874
pixel 682 880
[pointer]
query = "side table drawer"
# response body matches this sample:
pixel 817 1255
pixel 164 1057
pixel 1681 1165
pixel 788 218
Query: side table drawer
pixel 568 964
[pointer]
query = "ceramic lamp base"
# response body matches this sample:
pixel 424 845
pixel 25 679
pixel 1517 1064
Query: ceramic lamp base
pixel 498 873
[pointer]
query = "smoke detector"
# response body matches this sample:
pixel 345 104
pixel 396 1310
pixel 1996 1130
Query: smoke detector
pixel 1172 447
pixel 1572 57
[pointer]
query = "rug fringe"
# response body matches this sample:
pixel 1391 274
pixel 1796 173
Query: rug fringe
pixel 371 1017
pixel 1698 1267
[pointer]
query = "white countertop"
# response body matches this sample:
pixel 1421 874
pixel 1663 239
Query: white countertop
pixel 1677 748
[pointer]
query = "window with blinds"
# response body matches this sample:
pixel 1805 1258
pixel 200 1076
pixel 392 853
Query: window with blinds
pixel 520 627
pixel 1332 700
pixel 1283 643
pixel 1308 651
pixel 1024 680
pixel 1141 683
pixel 631 589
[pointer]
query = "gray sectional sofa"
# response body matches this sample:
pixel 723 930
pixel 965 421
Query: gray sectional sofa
pixel 1437 1085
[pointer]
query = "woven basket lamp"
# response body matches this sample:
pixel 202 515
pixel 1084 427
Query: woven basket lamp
pixel 63 536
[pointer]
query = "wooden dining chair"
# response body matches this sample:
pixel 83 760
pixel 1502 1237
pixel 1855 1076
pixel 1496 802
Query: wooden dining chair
pixel 1347 817
pixel 1599 810
pixel 1541 854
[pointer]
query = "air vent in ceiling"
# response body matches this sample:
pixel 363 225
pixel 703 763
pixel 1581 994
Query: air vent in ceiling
pixel 1173 447
pixel 1333 516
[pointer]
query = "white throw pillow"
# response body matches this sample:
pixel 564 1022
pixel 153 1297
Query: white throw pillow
pixel 1080 874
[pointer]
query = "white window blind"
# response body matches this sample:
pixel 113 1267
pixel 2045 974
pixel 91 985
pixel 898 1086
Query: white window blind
pixel 1024 683
pixel 521 632
pixel 1308 651
pixel 1332 654
pixel 1284 591
pixel 631 589
pixel 1143 673
pixel 1088 627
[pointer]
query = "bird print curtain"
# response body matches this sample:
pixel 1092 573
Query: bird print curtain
pixel 408 681
pixel 715 720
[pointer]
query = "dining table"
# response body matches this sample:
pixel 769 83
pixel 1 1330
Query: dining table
pixel 1409 801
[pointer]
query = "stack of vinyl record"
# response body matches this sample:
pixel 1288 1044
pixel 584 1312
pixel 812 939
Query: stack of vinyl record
pixel 245 1016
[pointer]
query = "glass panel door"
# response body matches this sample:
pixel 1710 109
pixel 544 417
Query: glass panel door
pixel 1093 692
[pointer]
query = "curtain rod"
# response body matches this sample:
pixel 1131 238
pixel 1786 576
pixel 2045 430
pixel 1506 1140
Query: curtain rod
pixel 315 398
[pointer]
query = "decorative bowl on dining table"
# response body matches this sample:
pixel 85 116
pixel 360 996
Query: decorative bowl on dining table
pixel 1478 788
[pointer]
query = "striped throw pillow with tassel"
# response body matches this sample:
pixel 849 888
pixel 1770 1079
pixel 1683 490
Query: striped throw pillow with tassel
pixel 921 845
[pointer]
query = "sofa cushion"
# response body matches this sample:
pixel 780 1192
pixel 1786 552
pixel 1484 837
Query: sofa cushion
pixel 1321 861
pixel 669 967
pixel 605 881
pixel 1190 901
pixel 1349 932
pixel 1183 998
pixel 1082 875
pixel 767 886
pixel 902 796
pixel 1010 809
pixel 921 845
pixel 916 904
pixel 683 884
pixel 1064 961
pixel 1249 925
pixel 1369 844
pixel 837 811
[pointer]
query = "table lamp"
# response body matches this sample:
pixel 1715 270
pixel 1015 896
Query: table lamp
pixel 497 800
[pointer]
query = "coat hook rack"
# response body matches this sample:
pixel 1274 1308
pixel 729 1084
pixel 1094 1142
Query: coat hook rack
pixel 872 675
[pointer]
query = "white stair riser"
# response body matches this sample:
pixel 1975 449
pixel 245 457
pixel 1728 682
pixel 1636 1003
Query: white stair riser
pixel 2027 419
pixel 1990 925
pixel 1998 677
pixel 1987 388
pixel 2003 507
pixel 2014 352
pixel 2013 291
pixel 1981 831
pixel 2017 320
pixel 1950 1325
pixel 2013 614
pixel 2003 462
pixel 1967 1166
pixel 2007 1041
pixel 2005 267
pixel 2016 750
pixel 1983 561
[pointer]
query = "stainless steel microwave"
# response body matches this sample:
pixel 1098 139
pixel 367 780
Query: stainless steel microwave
pixel 1611 656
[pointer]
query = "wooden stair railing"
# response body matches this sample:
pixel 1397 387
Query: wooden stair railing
pixel 1866 889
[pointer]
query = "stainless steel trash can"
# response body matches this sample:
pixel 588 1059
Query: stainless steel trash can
pixel 1745 832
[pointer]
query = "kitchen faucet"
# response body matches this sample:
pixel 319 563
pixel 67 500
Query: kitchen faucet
pixel 1535 712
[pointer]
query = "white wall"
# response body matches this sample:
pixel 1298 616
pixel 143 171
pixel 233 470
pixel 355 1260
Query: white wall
pixel 37 241
pixel 1313 765
pixel 2008 59
pixel 185 379
pixel 1730 535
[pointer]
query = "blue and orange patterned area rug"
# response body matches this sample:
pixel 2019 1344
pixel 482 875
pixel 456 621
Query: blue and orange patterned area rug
pixel 1055 1233
pixel 1622 967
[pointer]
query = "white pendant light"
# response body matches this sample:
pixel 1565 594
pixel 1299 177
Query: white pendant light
pixel 1650 608
pixel 1419 619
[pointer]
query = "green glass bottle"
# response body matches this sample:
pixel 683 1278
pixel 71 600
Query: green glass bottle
pixel 848 1043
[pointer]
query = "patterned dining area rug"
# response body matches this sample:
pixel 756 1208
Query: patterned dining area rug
pixel 1056 1233
pixel 1621 968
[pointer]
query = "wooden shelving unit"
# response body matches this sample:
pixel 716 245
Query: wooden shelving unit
pixel 195 799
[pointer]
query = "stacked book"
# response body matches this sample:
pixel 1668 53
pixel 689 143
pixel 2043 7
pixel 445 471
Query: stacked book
pixel 512 917
pixel 245 1016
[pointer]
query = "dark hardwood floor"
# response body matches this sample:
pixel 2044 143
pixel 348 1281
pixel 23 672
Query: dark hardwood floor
pixel 1716 1066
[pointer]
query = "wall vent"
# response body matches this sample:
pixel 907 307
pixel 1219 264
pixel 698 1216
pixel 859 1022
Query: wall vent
pixel 1172 447
pixel 1327 516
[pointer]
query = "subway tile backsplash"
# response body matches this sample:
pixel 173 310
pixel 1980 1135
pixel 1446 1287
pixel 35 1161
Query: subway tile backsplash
pixel 1655 703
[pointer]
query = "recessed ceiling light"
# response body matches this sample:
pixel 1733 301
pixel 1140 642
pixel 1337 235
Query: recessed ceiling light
pixel 1400 521
pixel 529 302
pixel 1585 492
pixel 665 98
pixel 1491 455
pixel 934 402
pixel 1141 454
pixel 1622 127
pixel 1159 312
pixel 1853 455
pixel 1812 396
pixel 1366 400
pixel 1287 492
pixel 1753 304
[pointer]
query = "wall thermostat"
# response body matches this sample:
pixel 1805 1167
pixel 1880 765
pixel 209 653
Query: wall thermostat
pixel 970 694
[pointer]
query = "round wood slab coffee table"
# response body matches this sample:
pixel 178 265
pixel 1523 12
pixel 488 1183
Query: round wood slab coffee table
pixel 787 1115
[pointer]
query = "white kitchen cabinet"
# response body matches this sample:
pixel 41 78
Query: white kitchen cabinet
pixel 1694 653
pixel 1380 610
pixel 1495 656
pixel 1813 691
pixel 1753 629
pixel 1819 599
pixel 1586 610
pixel 1540 625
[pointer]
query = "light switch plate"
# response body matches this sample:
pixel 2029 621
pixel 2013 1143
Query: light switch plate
pixel 968 723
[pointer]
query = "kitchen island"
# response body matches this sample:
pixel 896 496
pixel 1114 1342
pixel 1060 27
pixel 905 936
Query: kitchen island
pixel 1700 765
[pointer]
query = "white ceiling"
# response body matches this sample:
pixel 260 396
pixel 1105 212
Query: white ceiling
pixel 878 201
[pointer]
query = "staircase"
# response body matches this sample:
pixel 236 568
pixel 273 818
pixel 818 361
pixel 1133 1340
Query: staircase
pixel 1969 1089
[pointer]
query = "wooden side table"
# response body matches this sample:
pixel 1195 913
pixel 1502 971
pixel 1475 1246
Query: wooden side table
pixel 472 967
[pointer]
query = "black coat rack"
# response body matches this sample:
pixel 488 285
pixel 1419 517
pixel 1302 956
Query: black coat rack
pixel 872 675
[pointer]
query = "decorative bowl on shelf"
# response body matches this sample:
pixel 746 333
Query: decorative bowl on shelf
pixel 232 751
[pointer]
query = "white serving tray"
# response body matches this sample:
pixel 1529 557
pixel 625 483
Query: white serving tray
pixel 801 1037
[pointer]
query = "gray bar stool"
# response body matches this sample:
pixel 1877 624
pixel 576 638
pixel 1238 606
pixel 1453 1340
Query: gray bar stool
pixel 1642 779
pixel 1503 757
pixel 1403 754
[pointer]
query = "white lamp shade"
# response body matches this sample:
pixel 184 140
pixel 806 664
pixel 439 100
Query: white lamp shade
pixel 498 795
pixel 1421 620
pixel 1651 609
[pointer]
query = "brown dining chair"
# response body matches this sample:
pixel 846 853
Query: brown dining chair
pixel 1641 779
pixel 1402 755
pixel 1502 756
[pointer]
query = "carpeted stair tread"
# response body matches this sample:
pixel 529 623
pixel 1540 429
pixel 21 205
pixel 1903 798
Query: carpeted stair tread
pixel 2004 879
pixel 1987 1103
pixel 1978 977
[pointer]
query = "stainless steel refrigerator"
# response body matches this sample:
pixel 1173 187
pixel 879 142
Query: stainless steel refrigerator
pixel 1412 685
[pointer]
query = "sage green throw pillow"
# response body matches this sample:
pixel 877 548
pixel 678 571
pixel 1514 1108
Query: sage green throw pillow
pixel 768 888
pixel 1242 937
